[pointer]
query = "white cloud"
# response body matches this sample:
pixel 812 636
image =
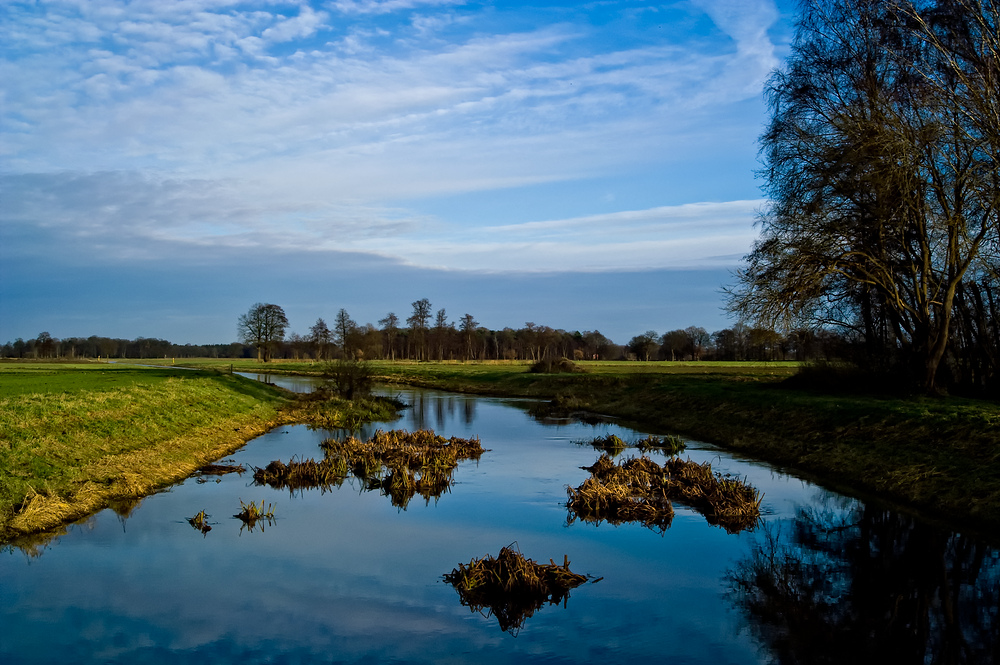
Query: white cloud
pixel 387 6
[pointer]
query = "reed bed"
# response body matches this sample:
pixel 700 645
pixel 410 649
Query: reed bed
pixel 398 463
pixel 640 490
pixel 725 500
pixel 511 587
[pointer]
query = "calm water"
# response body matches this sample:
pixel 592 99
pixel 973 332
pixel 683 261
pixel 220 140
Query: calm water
pixel 342 576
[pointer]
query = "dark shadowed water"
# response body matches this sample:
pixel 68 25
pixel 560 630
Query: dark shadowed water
pixel 343 576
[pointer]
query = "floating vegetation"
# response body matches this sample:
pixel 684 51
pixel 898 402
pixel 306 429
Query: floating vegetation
pixel 511 587
pixel 304 474
pixel 640 490
pixel 669 445
pixel 614 445
pixel 725 500
pixel 631 492
pixel 251 513
pixel 398 463
pixel 611 444
pixel 200 522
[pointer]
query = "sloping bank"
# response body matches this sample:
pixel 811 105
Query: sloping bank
pixel 941 456
pixel 89 438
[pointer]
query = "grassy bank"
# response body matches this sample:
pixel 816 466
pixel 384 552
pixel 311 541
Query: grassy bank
pixel 75 438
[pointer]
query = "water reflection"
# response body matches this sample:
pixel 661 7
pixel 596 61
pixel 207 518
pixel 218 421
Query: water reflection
pixel 351 578
pixel 863 584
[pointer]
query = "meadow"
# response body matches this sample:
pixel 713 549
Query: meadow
pixel 75 437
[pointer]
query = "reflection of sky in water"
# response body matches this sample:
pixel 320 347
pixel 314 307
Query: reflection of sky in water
pixel 343 576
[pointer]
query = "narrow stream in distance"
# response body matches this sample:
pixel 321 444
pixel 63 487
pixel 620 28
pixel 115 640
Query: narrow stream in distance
pixel 341 575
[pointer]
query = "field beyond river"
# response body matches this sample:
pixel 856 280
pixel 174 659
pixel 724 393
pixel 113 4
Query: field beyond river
pixel 76 437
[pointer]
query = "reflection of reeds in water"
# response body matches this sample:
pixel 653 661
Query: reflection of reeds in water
pixel 221 469
pixel 511 587
pixel 640 490
pixel 398 463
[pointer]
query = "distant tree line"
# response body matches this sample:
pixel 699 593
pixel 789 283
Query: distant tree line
pixel 431 335
pixel 46 346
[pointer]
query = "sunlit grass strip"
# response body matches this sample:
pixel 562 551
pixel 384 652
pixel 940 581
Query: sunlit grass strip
pixel 640 490
pixel 511 587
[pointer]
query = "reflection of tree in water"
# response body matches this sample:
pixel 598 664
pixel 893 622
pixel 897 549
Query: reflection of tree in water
pixel 870 585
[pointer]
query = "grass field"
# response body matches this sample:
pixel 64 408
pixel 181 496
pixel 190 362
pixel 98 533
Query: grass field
pixel 75 436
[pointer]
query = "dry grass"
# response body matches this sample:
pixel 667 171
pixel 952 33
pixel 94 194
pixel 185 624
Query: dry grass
pixel 399 463
pixel 640 490
pixel 511 587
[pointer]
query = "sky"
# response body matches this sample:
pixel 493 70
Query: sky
pixel 166 164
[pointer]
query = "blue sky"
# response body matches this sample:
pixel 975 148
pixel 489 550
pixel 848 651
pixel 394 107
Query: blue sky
pixel 166 164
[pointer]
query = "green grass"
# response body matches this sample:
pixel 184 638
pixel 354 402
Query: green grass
pixel 74 437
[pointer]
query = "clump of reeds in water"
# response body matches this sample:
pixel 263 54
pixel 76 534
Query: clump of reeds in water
pixel 614 445
pixel 251 513
pixel 200 522
pixel 302 474
pixel 617 493
pixel 399 463
pixel 640 490
pixel 669 445
pixel 728 501
pixel 402 464
pixel 511 587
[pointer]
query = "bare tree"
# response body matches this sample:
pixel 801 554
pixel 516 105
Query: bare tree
pixel 418 321
pixel 320 336
pixel 468 325
pixel 343 326
pixel 882 171
pixel 390 329
pixel 263 326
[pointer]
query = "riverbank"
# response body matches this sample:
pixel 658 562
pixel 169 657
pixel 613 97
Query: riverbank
pixel 75 438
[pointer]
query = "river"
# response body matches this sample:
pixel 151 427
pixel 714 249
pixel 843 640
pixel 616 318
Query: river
pixel 342 575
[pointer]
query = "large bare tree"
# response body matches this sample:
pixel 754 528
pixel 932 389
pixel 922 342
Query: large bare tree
pixel 263 326
pixel 881 170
